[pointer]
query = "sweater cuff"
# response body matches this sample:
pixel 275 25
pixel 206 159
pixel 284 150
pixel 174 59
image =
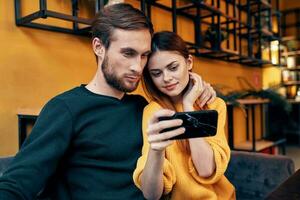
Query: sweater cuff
pixel 169 176
pixel 213 178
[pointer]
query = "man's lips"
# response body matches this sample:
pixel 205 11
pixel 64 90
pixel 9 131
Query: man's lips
pixel 133 78
pixel 170 86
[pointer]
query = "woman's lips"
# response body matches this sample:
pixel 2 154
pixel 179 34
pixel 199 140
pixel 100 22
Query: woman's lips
pixel 170 87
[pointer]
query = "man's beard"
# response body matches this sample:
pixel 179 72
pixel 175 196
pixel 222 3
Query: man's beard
pixel 113 80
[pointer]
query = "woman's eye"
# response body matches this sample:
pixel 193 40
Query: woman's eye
pixel 155 74
pixel 173 68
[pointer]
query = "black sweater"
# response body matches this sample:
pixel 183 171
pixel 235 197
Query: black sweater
pixel 83 146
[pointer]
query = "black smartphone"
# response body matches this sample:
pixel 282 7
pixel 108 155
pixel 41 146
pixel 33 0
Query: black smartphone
pixel 202 123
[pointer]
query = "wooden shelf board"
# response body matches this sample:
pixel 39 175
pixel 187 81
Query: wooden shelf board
pixel 259 145
pixel 291 53
pixel 253 101
pixel 28 111
pixel 290 83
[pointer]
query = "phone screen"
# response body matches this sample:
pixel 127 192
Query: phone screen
pixel 202 123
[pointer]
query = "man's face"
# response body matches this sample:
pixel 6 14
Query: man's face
pixel 126 58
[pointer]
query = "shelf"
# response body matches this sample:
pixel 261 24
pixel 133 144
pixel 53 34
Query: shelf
pixel 291 53
pixel 29 112
pixel 38 19
pixel 293 101
pixel 259 145
pixel 291 83
pixel 264 33
pixel 264 5
pixel 290 69
pixel 287 38
pixel 223 19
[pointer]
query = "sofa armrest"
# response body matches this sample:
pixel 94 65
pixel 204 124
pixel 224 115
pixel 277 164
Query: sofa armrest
pixel 4 162
pixel 255 175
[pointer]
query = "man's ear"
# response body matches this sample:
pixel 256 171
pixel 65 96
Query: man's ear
pixel 190 62
pixel 98 48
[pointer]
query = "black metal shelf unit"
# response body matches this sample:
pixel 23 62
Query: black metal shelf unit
pixel 222 28
pixel 80 26
pixel 295 24
pixel 290 56
pixel 262 15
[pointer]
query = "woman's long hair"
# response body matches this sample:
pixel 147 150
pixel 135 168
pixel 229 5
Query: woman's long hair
pixel 165 41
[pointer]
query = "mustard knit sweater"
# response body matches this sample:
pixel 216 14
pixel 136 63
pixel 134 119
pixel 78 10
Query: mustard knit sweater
pixel 180 177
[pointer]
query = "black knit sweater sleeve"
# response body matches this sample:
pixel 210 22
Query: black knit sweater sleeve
pixel 39 156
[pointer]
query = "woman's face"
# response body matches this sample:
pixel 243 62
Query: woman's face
pixel 169 72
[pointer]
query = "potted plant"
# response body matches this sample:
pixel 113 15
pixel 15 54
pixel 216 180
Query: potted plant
pixel 279 107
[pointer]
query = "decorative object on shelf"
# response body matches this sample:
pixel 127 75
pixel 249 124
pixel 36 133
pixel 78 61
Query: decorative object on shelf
pixel 292 45
pixel 240 23
pixel 111 2
pixel 290 52
pixel 37 19
pixel 211 35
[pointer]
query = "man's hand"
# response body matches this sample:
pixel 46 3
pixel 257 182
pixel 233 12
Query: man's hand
pixel 207 96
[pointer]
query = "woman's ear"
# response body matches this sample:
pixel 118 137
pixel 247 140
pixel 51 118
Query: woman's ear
pixel 98 48
pixel 190 62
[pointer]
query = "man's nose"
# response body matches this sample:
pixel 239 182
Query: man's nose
pixel 137 66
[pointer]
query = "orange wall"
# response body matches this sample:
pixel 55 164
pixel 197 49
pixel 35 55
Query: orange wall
pixel 35 65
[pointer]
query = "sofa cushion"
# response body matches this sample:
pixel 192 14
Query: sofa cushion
pixel 255 175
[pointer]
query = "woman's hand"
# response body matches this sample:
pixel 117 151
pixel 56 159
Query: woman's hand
pixel 198 91
pixel 159 141
pixel 152 176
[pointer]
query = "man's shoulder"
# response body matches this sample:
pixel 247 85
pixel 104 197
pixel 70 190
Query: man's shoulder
pixel 61 99
pixel 137 99
pixel 68 94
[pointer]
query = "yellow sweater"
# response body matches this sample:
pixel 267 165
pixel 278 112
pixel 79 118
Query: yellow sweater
pixel 179 174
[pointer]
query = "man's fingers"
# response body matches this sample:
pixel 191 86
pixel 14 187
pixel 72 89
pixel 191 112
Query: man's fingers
pixel 213 97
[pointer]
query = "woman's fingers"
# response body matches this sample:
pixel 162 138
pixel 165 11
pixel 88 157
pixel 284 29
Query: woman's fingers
pixel 160 113
pixel 165 135
pixel 164 124
pixel 161 145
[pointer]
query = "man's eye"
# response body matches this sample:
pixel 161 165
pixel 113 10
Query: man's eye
pixel 128 54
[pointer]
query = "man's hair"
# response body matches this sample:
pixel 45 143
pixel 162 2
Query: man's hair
pixel 118 16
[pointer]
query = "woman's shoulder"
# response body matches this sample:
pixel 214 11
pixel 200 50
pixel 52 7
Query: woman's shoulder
pixel 152 107
pixel 217 104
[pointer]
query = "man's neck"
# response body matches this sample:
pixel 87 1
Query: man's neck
pixel 98 85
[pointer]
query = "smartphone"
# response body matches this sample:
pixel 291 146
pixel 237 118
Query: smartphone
pixel 202 123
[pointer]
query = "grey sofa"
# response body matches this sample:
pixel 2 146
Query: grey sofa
pixel 254 175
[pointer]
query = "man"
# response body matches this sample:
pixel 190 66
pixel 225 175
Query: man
pixel 86 141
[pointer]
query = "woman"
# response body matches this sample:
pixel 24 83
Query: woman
pixel 184 169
